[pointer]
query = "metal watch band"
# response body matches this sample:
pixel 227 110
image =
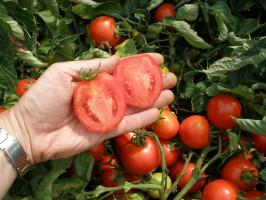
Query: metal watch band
pixel 14 152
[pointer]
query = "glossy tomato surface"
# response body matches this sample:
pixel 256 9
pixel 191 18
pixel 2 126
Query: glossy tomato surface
pixel 99 103
pixel 259 142
pixel 167 126
pixel 24 85
pixel 107 162
pixel 171 154
pixel 164 10
pixel 140 160
pixel 194 131
pixel 97 152
pixel 219 189
pixel 220 108
pixel 254 195
pixel 242 172
pixel 123 140
pixel 141 78
pixel 176 170
pixel 102 31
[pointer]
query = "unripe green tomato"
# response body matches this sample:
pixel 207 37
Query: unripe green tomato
pixel 156 178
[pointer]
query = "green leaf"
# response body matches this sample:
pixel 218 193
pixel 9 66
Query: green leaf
pixel 62 164
pixel 246 26
pixel 44 189
pixel 198 101
pixel 15 27
pixel 188 12
pixel 154 3
pixel 253 126
pixel 127 48
pixel 234 40
pixel 184 29
pixel 222 28
pixel 85 12
pixel 83 165
pixel 21 15
pixel 50 20
pixel 52 5
pixel 263 174
pixel 87 2
pixel 233 141
pixel 10 98
pixel 29 58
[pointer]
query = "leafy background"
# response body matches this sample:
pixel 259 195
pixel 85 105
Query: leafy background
pixel 212 47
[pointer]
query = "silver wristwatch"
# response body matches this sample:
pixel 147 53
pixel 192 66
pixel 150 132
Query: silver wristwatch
pixel 14 152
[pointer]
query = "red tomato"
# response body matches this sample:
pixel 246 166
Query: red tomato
pixel 2 109
pixel 242 172
pixel 122 140
pixel 111 178
pixel 260 143
pixel 176 169
pixel 254 195
pixel 195 131
pixel 220 108
pixel 99 103
pixel 219 189
pixel 97 152
pixel 24 85
pixel 164 10
pixel 167 126
pixel 140 160
pixel 108 163
pixel 142 80
pixel 171 155
pixel 102 31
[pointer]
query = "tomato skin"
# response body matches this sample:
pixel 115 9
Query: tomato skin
pixel 24 85
pixel 2 109
pixel 99 103
pixel 108 178
pixel 195 131
pixel 140 160
pixel 123 140
pixel 254 195
pixel 164 10
pixel 176 169
pixel 233 171
pixel 102 30
pixel 141 78
pixel 220 108
pixel 167 126
pixel 156 178
pixel 219 189
pixel 97 152
pixel 259 142
pixel 171 155
pixel 108 162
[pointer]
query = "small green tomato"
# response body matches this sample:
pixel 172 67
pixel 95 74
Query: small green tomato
pixel 156 178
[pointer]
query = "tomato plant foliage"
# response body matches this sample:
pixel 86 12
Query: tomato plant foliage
pixel 213 47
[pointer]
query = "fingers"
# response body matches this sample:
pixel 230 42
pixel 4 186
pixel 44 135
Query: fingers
pixel 169 80
pixel 164 99
pixel 135 121
pixel 157 57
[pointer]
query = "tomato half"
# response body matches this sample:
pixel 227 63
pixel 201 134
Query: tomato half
pixel 102 31
pixel 167 126
pixel 254 195
pixel 171 154
pixel 220 108
pixel 259 142
pixel 176 170
pixel 141 78
pixel 164 10
pixel 24 85
pixel 242 172
pixel 99 103
pixel 97 152
pixel 140 160
pixel 219 189
pixel 194 131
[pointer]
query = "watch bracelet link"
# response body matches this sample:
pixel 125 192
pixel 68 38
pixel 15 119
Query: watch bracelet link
pixel 14 152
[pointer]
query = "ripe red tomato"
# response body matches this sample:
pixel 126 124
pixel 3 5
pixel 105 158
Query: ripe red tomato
pixel 108 162
pixel 176 169
pixel 102 31
pixel 142 80
pixel 167 126
pixel 111 178
pixel 140 160
pixel 2 109
pixel 24 85
pixel 99 103
pixel 164 10
pixel 194 131
pixel 242 172
pixel 122 140
pixel 259 142
pixel 219 189
pixel 171 154
pixel 97 152
pixel 220 108
pixel 254 195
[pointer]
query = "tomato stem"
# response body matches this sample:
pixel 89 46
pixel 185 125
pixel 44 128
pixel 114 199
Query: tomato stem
pixel 88 73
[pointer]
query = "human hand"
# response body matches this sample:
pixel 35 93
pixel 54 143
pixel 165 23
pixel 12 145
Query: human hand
pixel 44 122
